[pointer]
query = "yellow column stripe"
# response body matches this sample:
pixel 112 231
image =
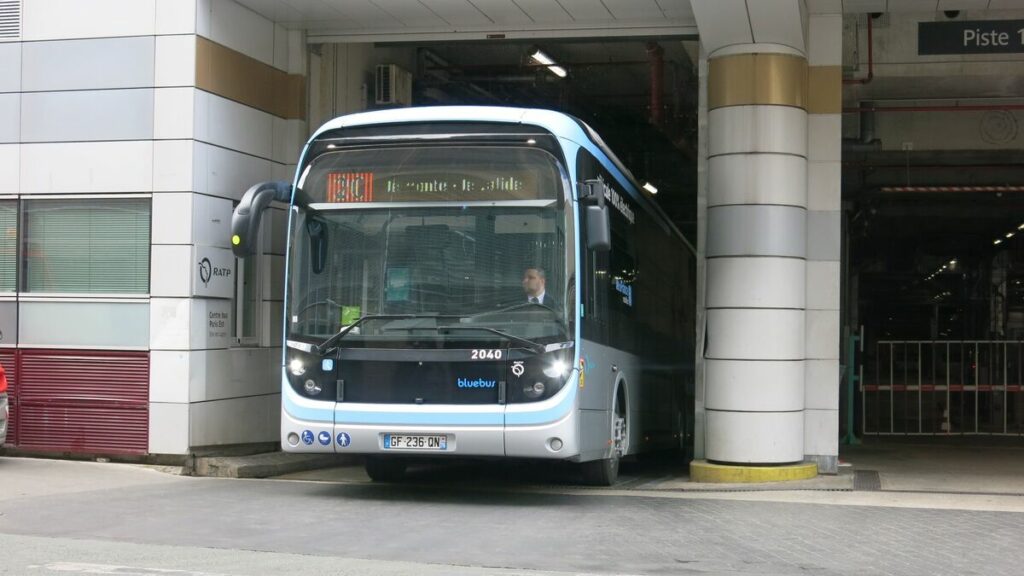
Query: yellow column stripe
pixel 751 79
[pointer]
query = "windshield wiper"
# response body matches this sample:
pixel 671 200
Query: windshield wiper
pixel 325 346
pixel 514 307
pixel 532 346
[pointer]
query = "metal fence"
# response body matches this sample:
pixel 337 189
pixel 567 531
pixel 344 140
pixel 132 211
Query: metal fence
pixel 943 387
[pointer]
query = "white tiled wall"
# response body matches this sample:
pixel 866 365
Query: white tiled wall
pixel 232 125
pixel 10 63
pixel 169 379
pixel 169 428
pixel 175 17
pixel 174 225
pixel 173 165
pixel 63 19
pixel 235 372
pixel 171 275
pixel 238 420
pixel 172 107
pixel 10 117
pixel 211 221
pixel 10 168
pixel 824 273
pixel 241 29
pixel 88 115
pixel 87 167
pixel 226 173
pixel 100 98
pixel 169 323
pixel 88 64
pixel 84 324
pixel 175 61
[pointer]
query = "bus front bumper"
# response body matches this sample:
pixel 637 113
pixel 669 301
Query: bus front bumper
pixel 546 429
pixel 555 440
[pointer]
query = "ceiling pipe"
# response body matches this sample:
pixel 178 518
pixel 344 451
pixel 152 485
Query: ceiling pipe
pixel 871 60
pixel 657 59
pixel 964 108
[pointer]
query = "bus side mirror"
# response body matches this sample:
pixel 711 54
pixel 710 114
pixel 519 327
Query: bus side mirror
pixel 599 232
pixel 317 231
pixel 245 222
pixel 595 213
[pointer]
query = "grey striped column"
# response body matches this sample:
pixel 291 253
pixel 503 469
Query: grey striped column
pixel 756 255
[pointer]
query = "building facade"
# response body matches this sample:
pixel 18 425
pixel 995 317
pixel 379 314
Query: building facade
pixel 129 128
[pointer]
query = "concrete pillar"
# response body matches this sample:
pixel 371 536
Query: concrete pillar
pixel 773 103
pixel 756 254
pixel 824 139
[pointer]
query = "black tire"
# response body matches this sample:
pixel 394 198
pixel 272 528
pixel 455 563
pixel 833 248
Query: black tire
pixel 605 472
pixel 382 469
pixel 602 472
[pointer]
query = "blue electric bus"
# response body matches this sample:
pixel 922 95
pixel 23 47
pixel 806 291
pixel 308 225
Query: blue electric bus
pixel 416 238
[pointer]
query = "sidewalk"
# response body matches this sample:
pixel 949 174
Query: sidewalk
pixel 949 465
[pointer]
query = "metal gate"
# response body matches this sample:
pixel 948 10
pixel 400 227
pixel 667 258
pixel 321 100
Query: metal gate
pixel 944 387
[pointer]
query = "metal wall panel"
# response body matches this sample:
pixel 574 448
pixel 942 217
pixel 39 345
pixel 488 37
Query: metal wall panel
pixel 86 402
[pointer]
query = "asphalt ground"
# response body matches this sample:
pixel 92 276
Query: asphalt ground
pixel 59 517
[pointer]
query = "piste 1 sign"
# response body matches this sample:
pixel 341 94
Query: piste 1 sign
pixel 971 37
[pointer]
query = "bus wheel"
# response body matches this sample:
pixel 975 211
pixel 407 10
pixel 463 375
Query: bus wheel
pixel 605 472
pixel 381 469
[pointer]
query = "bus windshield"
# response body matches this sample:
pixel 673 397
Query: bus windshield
pixel 437 241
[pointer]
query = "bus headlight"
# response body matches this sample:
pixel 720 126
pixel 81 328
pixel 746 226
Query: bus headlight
pixel 556 369
pixel 296 367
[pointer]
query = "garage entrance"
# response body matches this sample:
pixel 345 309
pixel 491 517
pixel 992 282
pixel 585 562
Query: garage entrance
pixel 937 273
pixel 640 95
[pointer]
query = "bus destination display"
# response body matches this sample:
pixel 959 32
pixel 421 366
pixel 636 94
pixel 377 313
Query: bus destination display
pixel 344 187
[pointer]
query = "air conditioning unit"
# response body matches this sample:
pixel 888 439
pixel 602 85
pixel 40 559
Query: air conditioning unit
pixel 394 85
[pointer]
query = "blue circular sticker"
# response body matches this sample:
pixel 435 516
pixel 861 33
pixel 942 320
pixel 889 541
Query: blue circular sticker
pixel 324 438
pixel 307 437
pixel 344 439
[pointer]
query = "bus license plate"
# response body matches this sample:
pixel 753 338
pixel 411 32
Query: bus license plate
pixel 415 442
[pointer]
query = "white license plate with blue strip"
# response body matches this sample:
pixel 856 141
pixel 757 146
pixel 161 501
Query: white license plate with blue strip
pixel 426 442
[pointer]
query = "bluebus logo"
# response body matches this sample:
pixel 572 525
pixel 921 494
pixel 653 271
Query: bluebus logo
pixel 478 383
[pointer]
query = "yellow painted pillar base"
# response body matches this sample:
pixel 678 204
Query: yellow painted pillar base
pixel 704 471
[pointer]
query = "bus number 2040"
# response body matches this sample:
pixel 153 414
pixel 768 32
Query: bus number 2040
pixel 485 354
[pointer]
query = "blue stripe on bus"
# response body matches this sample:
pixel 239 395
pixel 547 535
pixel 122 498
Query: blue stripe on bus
pixel 304 408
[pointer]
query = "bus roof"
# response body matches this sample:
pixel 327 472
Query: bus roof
pixel 559 124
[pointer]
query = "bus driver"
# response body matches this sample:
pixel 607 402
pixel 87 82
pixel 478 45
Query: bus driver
pixel 534 284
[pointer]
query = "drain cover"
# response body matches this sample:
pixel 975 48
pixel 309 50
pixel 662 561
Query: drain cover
pixel 867 480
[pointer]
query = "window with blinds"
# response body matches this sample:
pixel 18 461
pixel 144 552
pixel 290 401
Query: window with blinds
pixel 87 246
pixel 8 245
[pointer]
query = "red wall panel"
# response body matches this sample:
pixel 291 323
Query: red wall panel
pixel 83 401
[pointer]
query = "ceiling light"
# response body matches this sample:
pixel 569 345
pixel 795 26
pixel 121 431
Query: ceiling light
pixel 650 188
pixel 542 58
pixel 998 241
pixel 1009 234
pixel 558 71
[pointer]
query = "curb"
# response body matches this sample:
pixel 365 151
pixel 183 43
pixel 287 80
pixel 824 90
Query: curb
pixel 261 465
pixel 704 471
